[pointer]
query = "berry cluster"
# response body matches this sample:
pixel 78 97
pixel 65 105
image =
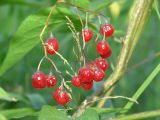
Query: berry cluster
pixel 41 80
pixel 91 72
pixel 95 70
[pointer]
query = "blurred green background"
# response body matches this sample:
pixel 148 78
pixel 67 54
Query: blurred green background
pixel 17 80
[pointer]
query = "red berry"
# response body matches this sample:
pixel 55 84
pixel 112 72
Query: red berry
pixel 39 80
pixel 107 30
pixel 87 85
pixel 98 75
pixel 91 65
pixel 51 81
pixel 103 48
pixel 102 63
pixel 76 81
pixel 61 96
pixel 52 45
pixel 87 34
pixel 107 54
pixel 86 74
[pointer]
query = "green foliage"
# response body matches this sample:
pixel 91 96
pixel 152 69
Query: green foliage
pixel 89 114
pixel 2 117
pixel 107 110
pixel 142 88
pixel 6 96
pixel 20 53
pixel 25 39
pixel 51 113
pixel 156 7
pixel 17 113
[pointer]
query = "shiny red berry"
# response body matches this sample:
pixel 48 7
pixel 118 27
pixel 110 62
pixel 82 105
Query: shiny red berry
pixel 52 45
pixel 103 48
pixel 61 96
pixel 87 85
pixel 76 81
pixel 107 54
pixel 107 30
pixel 86 74
pixel 39 80
pixel 51 81
pixel 98 75
pixel 102 63
pixel 87 34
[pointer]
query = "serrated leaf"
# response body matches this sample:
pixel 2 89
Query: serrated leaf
pixel 89 114
pixel 51 113
pixel 17 113
pixel 6 96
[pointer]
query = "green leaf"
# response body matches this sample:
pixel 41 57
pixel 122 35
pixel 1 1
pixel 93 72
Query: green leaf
pixel 140 116
pixel 107 110
pixel 89 114
pixel 17 113
pixel 99 5
pixel 27 36
pixel 80 3
pixel 6 96
pixel 36 100
pixel 51 113
pixel 2 117
pixel 156 7
pixel 142 88
pixel 21 2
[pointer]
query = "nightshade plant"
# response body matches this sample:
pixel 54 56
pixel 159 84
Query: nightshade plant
pixel 81 58
pixel 89 71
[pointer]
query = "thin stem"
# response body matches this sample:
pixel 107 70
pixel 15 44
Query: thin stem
pixel 65 61
pixel 69 74
pixel 99 19
pixel 86 25
pixel 39 65
pixel 54 65
pixel 104 37
pixel 113 97
pixel 97 37
pixel 76 38
pixel 80 18
pixel 44 28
